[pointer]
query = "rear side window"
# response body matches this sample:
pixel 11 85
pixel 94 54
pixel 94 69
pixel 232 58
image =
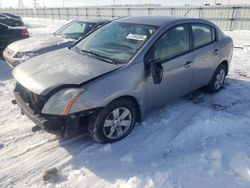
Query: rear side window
pixel 202 35
pixel 173 43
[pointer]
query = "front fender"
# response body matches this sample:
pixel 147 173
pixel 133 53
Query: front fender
pixel 128 81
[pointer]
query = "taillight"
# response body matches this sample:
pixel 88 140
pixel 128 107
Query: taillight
pixel 24 32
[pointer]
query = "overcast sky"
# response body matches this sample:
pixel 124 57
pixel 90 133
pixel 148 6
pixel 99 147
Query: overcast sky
pixel 73 3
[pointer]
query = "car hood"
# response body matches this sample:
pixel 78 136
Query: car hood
pixel 61 67
pixel 34 44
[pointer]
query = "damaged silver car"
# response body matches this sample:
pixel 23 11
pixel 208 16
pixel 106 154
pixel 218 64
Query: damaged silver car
pixel 113 77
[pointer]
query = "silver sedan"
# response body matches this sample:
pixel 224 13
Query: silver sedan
pixel 114 76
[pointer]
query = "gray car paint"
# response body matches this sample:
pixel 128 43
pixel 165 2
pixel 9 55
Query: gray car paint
pixel 131 79
pixel 51 70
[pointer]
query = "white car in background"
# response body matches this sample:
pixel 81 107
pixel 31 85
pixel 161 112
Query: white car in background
pixel 23 50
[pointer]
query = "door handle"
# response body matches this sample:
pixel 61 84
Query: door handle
pixel 188 64
pixel 216 52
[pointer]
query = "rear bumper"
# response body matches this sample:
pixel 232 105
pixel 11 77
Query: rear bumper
pixel 52 123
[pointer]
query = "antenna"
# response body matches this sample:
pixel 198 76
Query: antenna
pixel 187 12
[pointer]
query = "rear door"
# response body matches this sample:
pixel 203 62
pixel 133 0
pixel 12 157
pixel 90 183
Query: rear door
pixel 172 51
pixel 207 54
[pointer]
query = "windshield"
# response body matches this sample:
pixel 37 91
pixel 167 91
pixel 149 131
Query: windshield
pixel 74 29
pixel 116 41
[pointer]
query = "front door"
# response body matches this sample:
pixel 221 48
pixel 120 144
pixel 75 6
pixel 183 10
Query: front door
pixel 172 51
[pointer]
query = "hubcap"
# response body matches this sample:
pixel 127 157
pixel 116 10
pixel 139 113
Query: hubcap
pixel 117 123
pixel 219 79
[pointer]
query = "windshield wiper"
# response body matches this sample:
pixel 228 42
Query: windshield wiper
pixel 99 56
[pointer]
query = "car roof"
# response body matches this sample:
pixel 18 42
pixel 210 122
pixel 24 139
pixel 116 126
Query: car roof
pixel 94 20
pixel 4 25
pixel 8 14
pixel 154 20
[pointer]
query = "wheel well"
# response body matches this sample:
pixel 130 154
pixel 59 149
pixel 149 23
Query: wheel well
pixel 225 63
pixel 138 108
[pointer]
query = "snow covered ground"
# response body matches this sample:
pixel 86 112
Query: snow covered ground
pixel 203 141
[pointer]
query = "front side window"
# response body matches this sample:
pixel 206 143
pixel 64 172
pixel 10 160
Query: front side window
pixel 202 35
pixel 116 41
pixel 172 44
pixel 74 29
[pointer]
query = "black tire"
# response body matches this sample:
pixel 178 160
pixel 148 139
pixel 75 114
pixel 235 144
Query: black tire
pixel 96 122
pixel 212 87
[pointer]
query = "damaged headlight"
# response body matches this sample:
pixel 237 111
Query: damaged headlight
pixel 64 102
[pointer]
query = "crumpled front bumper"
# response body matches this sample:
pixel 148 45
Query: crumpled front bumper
pixel 49 123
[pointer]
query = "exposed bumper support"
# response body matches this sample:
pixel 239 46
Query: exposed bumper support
pixel 54 124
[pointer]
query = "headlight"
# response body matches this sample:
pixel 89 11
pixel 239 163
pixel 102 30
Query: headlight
pixel 19 55
pixel 62 102
pixel 25 55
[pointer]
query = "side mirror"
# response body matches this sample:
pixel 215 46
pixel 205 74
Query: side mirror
pixel 155 68
pixel 157 72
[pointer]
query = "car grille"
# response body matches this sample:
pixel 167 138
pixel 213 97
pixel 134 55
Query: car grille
pixel 30 98
pixel 8 52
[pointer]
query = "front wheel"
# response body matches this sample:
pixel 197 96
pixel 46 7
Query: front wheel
pixel 114 122
pixel 218 79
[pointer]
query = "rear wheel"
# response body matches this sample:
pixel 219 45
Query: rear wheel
pixel 114 122
pixel 218 79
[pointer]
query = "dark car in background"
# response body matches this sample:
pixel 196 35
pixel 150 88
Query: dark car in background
pixel 10 34
pixel 11 20
pixel 23 50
